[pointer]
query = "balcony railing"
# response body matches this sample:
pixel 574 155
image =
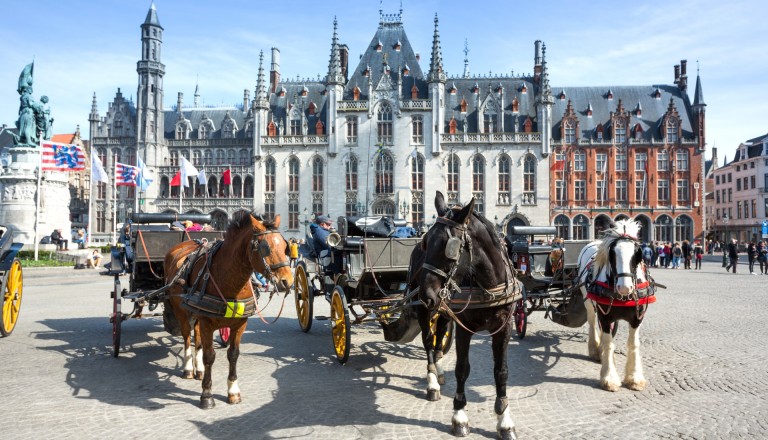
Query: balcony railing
pixel 489 138
pixel 295 140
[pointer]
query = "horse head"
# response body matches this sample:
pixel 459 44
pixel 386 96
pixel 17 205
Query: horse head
pixel 460 243
pixel 269 252
pixel 619 257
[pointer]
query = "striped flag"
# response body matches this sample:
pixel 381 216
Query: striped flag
pixel 127 175
pixel 62 157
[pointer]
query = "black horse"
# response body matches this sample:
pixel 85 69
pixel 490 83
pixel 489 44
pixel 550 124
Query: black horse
pixel 463 247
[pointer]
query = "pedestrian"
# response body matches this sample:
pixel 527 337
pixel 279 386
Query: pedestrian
pixel 668 254
pixel 762 256
pixel 733 255
pixel 293 251
pixel 677 255
pixel 655 257
pixel 647 254
pixel 687 253
pixel 662 255
pixel 698 253
pixel 752 257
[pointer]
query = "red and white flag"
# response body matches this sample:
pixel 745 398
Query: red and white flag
pixel 126 175
pixel 62 157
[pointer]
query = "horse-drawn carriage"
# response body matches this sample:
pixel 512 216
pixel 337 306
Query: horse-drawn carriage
pixel 143 246
pixel 11 280
pixel 547 267
pixel 364 279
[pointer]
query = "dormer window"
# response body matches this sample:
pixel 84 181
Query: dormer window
pixel 378 46
pixel 452 90
pixel 414 92
pixel 638 131
pixel 515 106
pixel 523 88
pixel 619 132
pixel 463 105
pixel 638 110
pixel 356 93
pixel 397 46
pixel 609 95
pixel 319 128
pixel 367 71
pixel 282 92
pixel 562 95
pixel 312 107
pixel 528 125
pixel 589 110
pixel 476 88
pixel 452 126
pixel 304 92
pixel 271 129
pixel 569 131
pixel 672 127
pixel 599 132
pixel 657 93
pixel 406 70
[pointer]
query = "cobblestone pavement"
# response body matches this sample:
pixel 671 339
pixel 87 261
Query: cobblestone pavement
pixel 701 344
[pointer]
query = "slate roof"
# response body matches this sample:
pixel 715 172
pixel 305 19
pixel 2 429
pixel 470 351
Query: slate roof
pixel 196 115
pixel 510 88
pixel 652 109
pixel 315 93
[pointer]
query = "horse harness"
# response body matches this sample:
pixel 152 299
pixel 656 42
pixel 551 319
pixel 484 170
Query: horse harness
pixel 455 298
pixel 606 293
pixel 196 297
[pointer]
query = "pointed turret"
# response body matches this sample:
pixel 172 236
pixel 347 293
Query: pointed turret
pixel 466 59
pixel 436 73
pixel 544 101
pixel 698 96
pixel 260 100
pixel 94 116
pixel 334 65
pixel 700 110
pixel 197 95
pixel 545 87
pixel 152 17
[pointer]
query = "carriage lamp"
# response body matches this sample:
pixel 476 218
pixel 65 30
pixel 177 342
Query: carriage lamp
pixel 405 209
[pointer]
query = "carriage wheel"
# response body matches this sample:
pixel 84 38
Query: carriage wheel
pixel 13 285
pixel 303 297
pixel 340 324
pixel 117 317
pixel 224 333
pixel 447 338
pixel 521 315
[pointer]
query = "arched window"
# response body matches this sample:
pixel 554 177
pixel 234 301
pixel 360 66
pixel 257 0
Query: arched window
pixel 237 186
pixel 384 174
pixel 529 180
pixel 663 228
pixel 174 159
pixel 490 117
pixel 672 125
pixel 563 226
pixel 384 207
pixel 580 227
pixel 505 180
pixel 293 174
pixel 417 129
pixel 351 173
pixel 384 124
pixel 196 158
pixel 569 131
pixel 295 123
pixel 213 187
pixel 478 182
pixel 231 157
pixel 130 156
pixel 248 187
pixel 245 158
pixel 417 172
pixel 683 228
pixel 202 131
pixel 317 174
pixel 165 185
pixel 220 157
pixel 208 157
pixel 454 166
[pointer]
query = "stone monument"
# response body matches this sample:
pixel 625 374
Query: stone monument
pixel 30 197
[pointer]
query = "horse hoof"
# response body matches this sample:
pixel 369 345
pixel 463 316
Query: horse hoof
pixel 199 375
pixel 636 385
pixel 460 429
pixel 508 434
pixel 441 379
pixel 207 403
pixel 433 395
pixel 234 399
pixel 187 375
pixel 609 386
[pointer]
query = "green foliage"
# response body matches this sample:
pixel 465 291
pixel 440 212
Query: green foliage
pixel 44 259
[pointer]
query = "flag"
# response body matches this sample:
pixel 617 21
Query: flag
pixel 176 181
pixel 97 171
pixel 143 180
pixel 187 170
pixel 605 179
pixel 227 176
pixel 559 165
pixel 62 157
pixel 201 177
pixel 126 175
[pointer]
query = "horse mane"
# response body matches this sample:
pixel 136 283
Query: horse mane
pixel 240 221
pixel 485 222
pixel 621 228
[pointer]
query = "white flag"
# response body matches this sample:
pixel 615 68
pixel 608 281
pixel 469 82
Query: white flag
pixel 97 171
pixel 201 177
pixel 187 170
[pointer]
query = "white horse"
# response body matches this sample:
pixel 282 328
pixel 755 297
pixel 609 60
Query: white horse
pixel 616 286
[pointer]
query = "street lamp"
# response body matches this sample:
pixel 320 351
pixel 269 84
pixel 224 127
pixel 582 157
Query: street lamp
pixel 305 220
pixel 405 209
pixel 725 224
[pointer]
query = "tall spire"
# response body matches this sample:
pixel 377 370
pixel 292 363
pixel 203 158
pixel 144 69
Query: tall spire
pixel 436 72
pixel 334 65
pixel 152 16
pixel 94 116
pixel 260 100
pixel 545 87
pixel 466 59
pixel 197 94
pixel 698 97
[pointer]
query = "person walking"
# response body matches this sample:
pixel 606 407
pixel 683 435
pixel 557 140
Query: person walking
pixel 668 254
pixel 655 258
pixel 677 255
pixel 687 253
pixel 647 254
pixel 698 253
pixel 752 257
pixel 733 256
pixel 762 257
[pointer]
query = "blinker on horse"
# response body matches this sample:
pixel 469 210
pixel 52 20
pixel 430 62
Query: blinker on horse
pixel 467 275
pixel 211 289
pixel 617 286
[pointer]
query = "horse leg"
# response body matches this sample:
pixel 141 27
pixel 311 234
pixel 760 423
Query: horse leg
pixel 609 378
pixel 593 342
pixel 186 334
pixel 209 356
pixel 460 420
pixel 633 375
pixel 233 352
pixel 199 363
pixel 505 426
pixel 442 330
pixel 433 385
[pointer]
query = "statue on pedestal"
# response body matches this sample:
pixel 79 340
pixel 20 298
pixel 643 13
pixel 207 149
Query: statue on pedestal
pixel 34 117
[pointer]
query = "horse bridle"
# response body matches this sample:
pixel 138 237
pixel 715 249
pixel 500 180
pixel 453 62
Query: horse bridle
pixel 614 277
pixel 454 250
pixel 260 245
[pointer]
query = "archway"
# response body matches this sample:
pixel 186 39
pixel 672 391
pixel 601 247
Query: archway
pixel 663 228
pixel 563 226
pixel 602 222
pixel 581 227
pixel 645 228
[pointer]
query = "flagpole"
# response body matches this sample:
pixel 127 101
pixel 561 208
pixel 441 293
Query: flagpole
pixel 181 184
pixel 114 200
pixel 90 202
pixel 37 198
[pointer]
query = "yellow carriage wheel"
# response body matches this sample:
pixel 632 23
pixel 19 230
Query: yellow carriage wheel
pixel 340 325
pixel 447 338
pixel 13 286
pixel 303 297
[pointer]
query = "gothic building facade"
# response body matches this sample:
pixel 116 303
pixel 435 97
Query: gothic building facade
pixel 381 138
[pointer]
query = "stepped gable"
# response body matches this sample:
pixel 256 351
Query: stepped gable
pixel 390 34
pixel 650 119
pixel 512 88
pixel 290 93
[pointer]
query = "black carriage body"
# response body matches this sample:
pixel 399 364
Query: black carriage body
pixel 8 249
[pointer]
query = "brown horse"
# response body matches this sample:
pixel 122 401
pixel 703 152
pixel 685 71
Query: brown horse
pixel 211 289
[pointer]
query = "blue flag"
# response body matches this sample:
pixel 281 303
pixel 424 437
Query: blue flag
pixel 144 180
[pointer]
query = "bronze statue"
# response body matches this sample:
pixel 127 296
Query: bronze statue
pixel 34 118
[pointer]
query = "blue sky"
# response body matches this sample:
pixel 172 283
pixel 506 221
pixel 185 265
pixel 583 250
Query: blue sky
pixel 81 47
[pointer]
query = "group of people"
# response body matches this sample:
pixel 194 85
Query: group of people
pixel 666 254
pixel 756 253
